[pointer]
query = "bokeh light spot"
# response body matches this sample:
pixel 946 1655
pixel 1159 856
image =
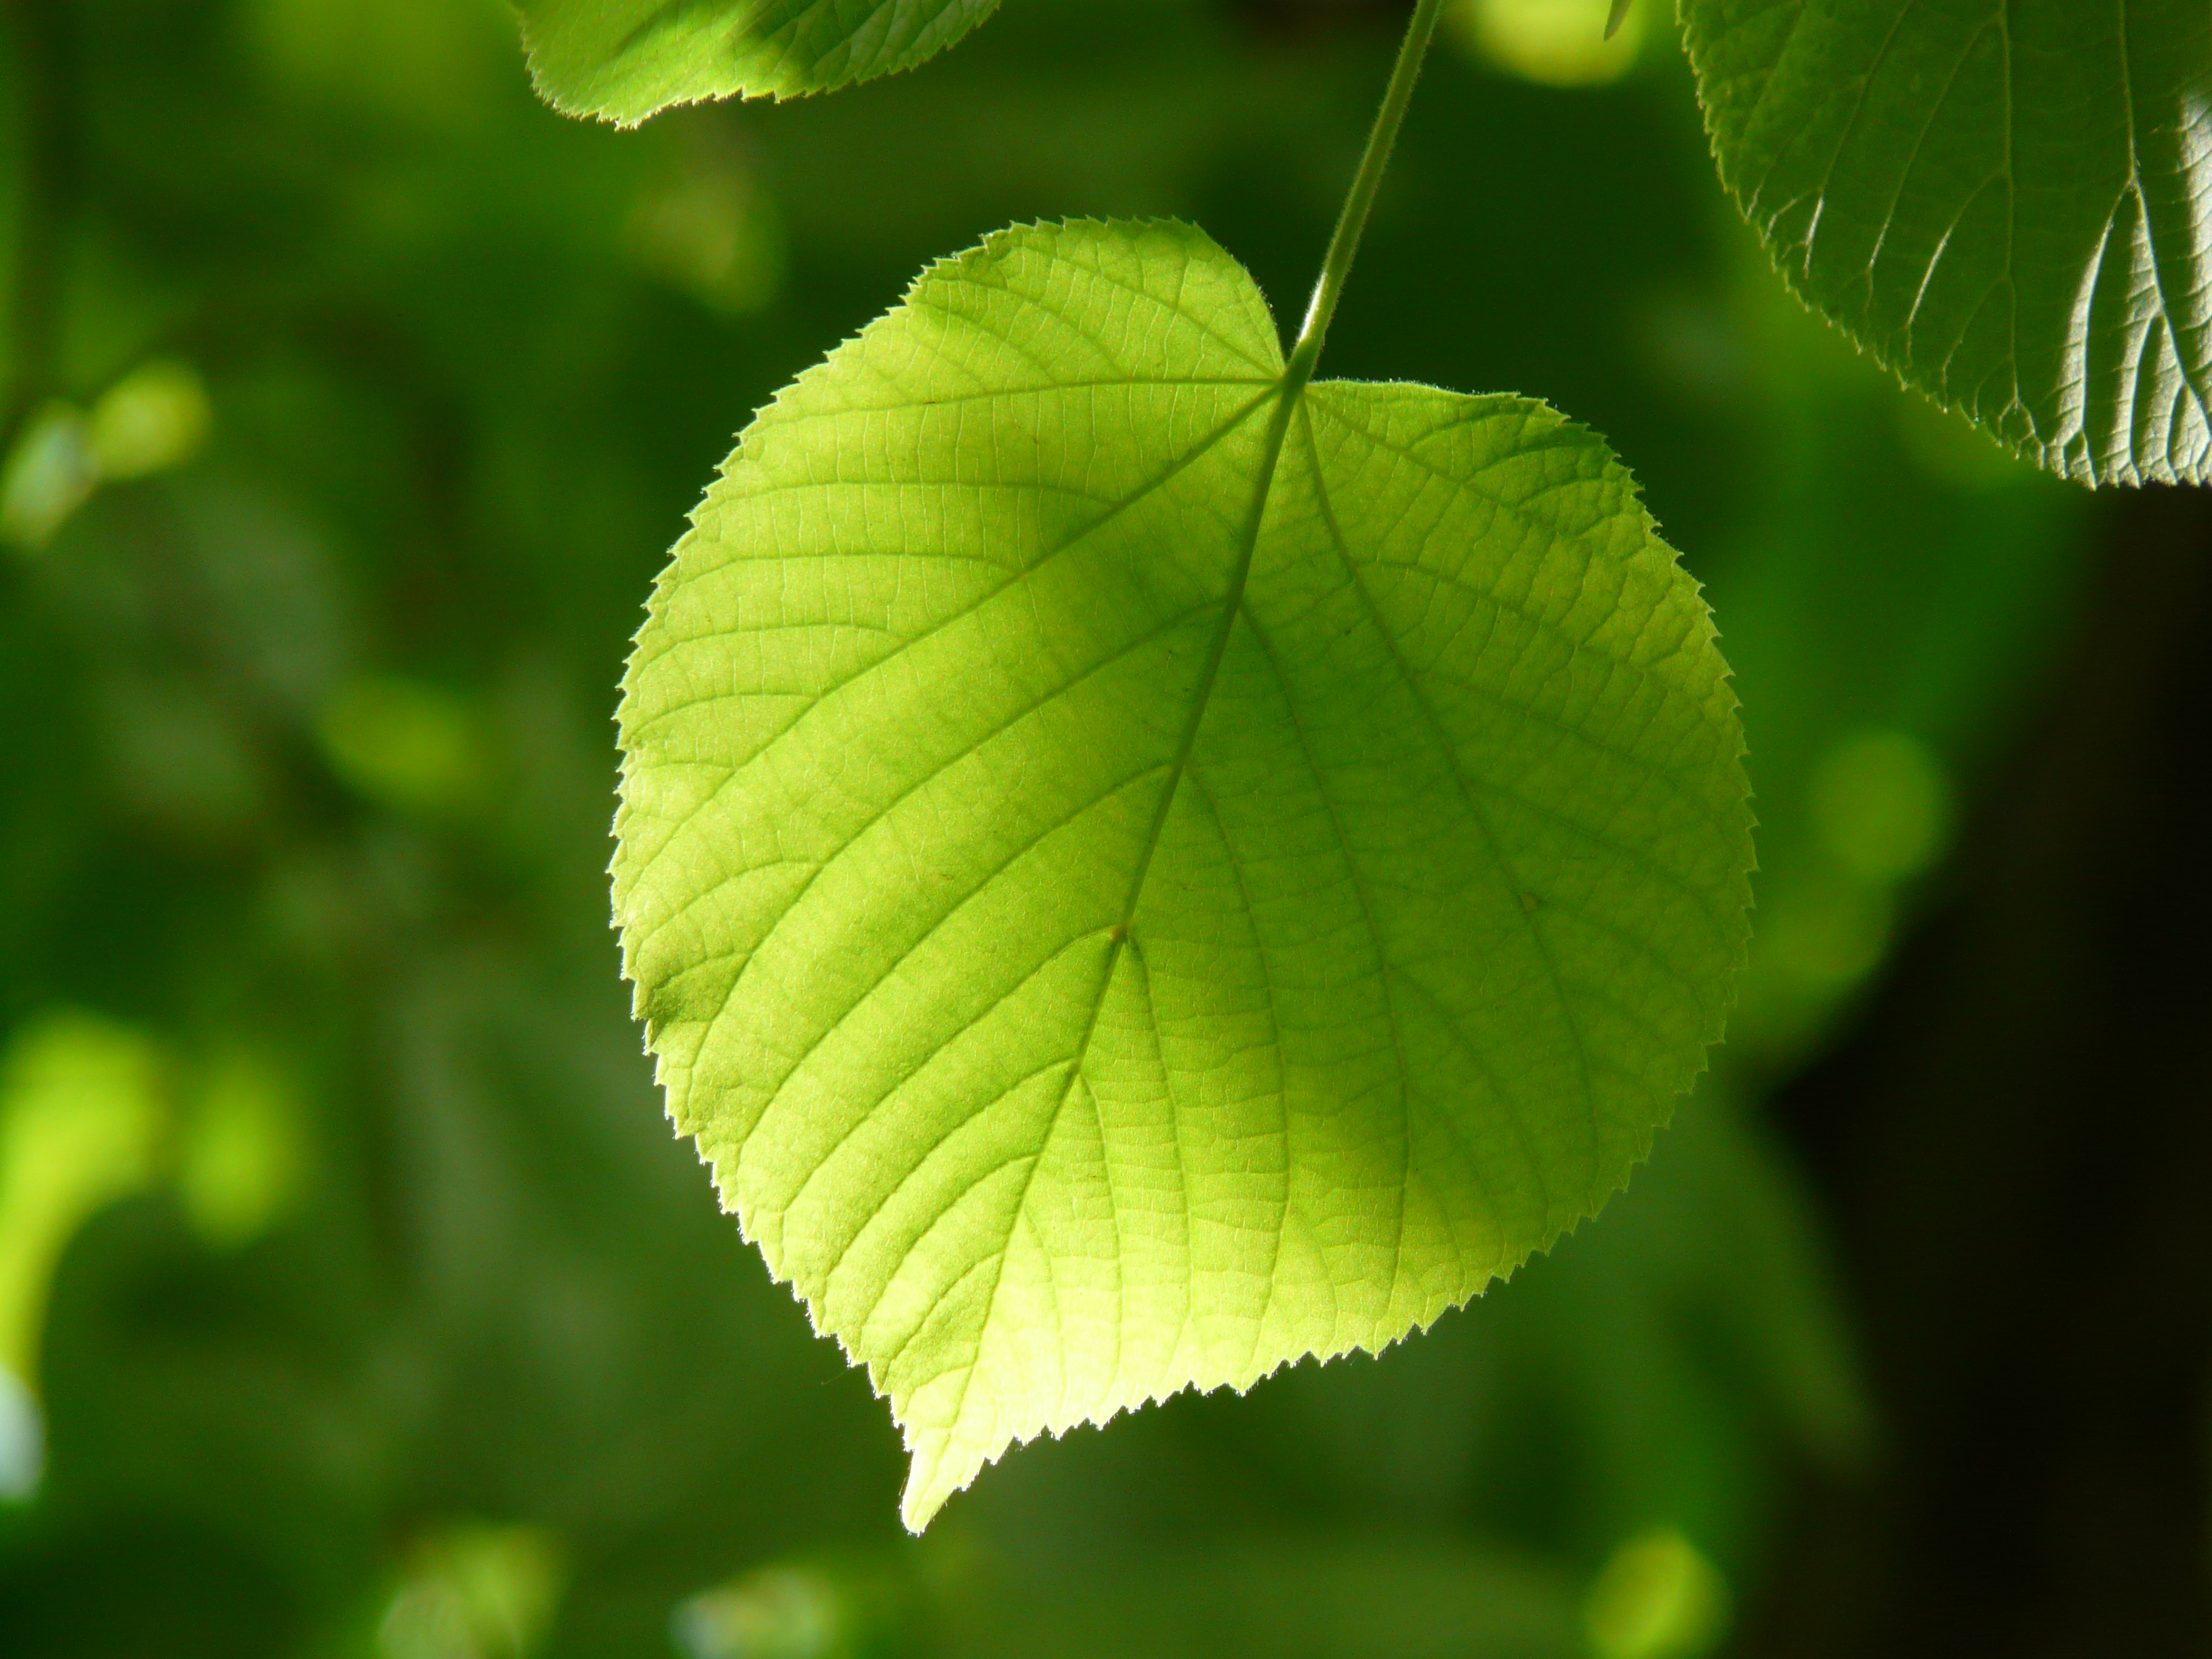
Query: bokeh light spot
pixel 1555 43
pixel 80 1118
pixel 1882 805
pixel 1658 1597
pixel 409 747
pixel 48 476
pixel 153 419
pixel 241 1162
pixel 472 1591
pixel 22 1439
pixel 782 1612
pixel 1825 934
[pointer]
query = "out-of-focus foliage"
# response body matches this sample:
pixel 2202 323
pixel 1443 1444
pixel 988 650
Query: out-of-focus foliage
pixel 1138 869
pixel 474 1592
pixel 2004 201
pixel 80 1116
pixel 412 1260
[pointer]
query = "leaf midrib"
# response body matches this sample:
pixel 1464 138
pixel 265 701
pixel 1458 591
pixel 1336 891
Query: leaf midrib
pixel 1288 401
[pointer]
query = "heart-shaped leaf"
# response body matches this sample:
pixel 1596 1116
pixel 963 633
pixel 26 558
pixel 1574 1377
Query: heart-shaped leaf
pixel 2008 202
pixel 624 60
pixel 1135 871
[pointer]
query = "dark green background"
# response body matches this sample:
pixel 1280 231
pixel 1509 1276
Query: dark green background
pixel 1905 1329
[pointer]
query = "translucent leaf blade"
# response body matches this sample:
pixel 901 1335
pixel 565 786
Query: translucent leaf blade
pixel 2006 201
pixel 625 60
pixel 1131 882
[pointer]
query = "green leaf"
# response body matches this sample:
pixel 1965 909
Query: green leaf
pixel 2006 201
pixel 1134 873
pixel 624 60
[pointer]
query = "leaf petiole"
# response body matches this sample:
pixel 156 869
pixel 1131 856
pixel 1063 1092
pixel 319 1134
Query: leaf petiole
pixel 1352 223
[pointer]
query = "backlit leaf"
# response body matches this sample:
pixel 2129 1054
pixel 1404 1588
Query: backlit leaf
pixel 2008 202
pixel 625 60
pixel 1134 874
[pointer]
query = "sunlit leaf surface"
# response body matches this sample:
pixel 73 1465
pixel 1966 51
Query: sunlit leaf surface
pixel 2007 201
pixel 1133 876
pixel 625 59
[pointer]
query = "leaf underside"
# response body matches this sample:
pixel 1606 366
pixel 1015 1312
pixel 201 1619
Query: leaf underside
pixel 624 60
pixel 1133 877
pixel 2006 201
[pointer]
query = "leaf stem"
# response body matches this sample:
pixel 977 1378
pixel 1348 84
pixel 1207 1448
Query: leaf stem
pixel 1352 223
